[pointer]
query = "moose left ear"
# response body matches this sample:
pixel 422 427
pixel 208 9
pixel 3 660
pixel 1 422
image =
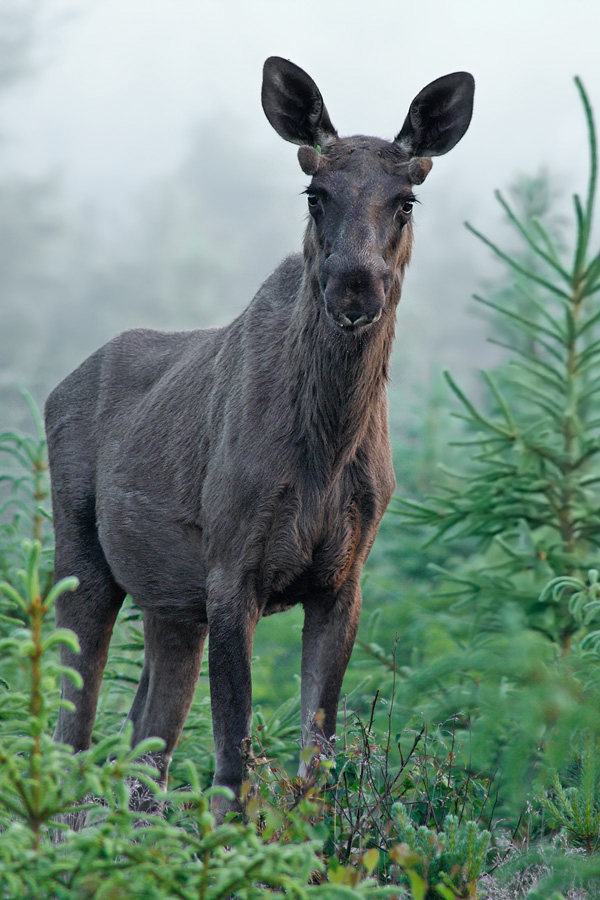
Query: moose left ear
pixel 438 116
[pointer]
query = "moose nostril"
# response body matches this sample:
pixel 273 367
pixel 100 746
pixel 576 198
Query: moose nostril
pixel 355 315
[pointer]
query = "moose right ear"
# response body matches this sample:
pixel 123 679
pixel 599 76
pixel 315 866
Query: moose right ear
pixel 293 104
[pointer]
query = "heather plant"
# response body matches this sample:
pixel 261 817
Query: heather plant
pixel 445 863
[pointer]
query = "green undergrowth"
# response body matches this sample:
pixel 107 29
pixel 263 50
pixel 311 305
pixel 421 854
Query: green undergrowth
pixel 297 838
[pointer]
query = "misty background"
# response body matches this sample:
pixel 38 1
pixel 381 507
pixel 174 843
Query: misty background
pixel 141 185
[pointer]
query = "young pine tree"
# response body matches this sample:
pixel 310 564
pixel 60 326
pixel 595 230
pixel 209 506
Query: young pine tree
pixel 529 497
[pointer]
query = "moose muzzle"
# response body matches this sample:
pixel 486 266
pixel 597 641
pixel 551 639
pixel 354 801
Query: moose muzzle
pixel 354 291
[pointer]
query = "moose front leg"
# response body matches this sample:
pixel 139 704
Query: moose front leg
pixel 330 626
pixel 232 620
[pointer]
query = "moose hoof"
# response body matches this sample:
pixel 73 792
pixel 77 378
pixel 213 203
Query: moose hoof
pixel 313 756
pixel 223 802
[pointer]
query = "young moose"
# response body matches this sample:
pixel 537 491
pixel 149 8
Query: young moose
pixel 223 475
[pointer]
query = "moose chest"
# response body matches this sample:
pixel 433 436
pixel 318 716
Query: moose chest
pixel 311 541
pixel 299 536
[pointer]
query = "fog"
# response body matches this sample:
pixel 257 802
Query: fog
pixel 142 184
pixel 120 83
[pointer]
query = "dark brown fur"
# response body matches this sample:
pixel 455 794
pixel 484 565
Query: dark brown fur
pixel 219 476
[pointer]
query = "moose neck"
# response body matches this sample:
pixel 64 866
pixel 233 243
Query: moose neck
pixel 337 387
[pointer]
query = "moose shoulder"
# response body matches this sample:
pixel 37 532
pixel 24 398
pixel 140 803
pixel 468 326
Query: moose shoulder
pixel 218 476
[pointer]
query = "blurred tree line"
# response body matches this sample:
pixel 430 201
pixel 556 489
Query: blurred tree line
pixel 189 252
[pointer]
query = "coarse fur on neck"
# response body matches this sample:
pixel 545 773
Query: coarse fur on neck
pixel 337 381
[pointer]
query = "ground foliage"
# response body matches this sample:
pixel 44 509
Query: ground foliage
pixel 468 745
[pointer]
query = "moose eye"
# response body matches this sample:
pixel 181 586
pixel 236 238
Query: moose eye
pixel 403 206
pixel 313 200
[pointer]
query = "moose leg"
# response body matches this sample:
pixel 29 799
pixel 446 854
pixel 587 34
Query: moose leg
pixel 232 628
pixel 330 627
pixel 172 660
pixel 90 611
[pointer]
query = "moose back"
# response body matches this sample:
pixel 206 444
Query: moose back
pixel 222 475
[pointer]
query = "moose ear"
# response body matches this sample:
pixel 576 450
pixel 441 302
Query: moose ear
pixel 438 116
pixel 293 104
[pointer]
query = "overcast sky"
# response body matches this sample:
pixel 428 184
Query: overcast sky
pixel 121 82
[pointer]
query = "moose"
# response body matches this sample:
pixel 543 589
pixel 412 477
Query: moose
pixel 222 475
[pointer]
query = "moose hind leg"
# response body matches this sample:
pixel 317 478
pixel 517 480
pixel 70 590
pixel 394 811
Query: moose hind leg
pixel 172 660
pixel 90 611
